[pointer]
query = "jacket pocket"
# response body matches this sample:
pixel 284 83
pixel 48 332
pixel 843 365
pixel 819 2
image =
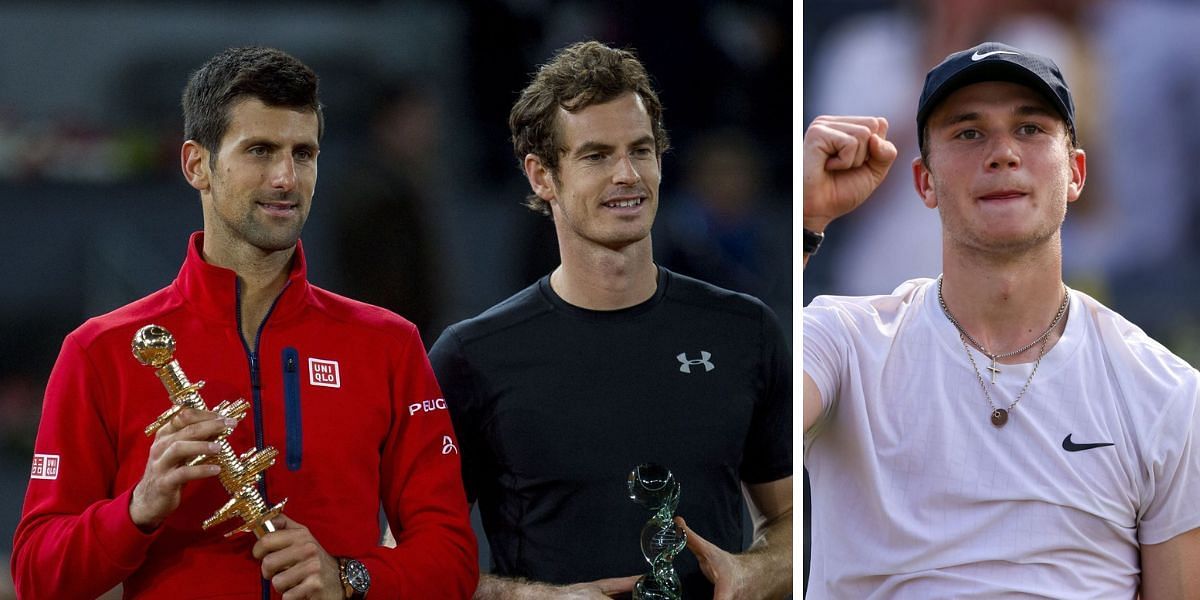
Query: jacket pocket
pixel 291 407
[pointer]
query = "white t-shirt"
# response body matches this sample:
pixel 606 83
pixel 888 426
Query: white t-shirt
pixel 915 494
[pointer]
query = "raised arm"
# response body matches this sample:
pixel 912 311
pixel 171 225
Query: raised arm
pixel 845 159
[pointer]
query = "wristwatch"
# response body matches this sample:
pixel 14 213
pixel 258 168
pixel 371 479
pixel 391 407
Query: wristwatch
pixel 355 578
pixel 812 241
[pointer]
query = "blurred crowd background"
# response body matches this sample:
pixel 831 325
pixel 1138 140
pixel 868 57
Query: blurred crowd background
pixel 1134 70
pixel 418 203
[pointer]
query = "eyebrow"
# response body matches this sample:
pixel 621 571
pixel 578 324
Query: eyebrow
pixel 1024 110
pixel 590 146
pixel 273 144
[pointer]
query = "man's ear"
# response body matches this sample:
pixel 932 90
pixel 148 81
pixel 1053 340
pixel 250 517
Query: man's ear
pixel 923 182
pixel 193 159
pixel 540 178
pixel 1078 174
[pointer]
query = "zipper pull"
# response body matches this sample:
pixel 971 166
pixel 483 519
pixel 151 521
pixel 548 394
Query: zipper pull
pixel 254 379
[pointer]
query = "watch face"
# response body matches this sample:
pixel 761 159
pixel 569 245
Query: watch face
pixel 357 576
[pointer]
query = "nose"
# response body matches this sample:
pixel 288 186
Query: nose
pixel 1003 154
pixel 626 172
pixel 283 174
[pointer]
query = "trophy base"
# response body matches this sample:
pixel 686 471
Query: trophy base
pixel 262 525
pixel 649 588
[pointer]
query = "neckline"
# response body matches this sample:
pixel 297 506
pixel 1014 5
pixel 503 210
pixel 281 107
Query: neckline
pixel 547 292
pixel 1052 361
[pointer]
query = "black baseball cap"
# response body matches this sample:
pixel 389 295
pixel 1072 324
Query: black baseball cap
pixel 993 61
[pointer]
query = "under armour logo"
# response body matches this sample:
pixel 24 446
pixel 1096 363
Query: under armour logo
pixel 686 367
pixel 448 445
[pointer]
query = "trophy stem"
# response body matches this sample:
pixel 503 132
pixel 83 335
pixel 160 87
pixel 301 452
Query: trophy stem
pixel 181 391
pixel 263 528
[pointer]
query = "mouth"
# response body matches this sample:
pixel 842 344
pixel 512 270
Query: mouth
pixel 279 209
pixel 1000 195
pixel 619 203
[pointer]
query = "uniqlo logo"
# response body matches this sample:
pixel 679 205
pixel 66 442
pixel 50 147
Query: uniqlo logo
pixel 324 373
pixel 45 466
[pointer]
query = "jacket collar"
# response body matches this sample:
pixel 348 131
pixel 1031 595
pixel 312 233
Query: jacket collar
pixel 213 290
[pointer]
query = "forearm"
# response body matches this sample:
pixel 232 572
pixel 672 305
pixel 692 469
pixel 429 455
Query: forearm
pixel 436 553
pixel 73 540
pixel 492 587
pixel 768 562
pixel 77 556
pixel 435 556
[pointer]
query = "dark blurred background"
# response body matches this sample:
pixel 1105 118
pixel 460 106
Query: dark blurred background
pixel 418 201
pixel 1134 70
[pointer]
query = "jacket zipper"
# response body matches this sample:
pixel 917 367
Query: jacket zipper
pixel 291 407
pixel 256 392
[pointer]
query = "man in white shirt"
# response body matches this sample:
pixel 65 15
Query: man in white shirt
pixel 990 433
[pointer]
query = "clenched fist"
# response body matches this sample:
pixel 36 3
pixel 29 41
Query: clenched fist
pixel 845 159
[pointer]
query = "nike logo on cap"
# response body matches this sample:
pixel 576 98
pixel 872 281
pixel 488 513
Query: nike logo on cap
pixel 1070 446
pixel 977 56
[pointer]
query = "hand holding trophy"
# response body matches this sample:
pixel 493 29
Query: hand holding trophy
pixel 654 487
pixel 154 346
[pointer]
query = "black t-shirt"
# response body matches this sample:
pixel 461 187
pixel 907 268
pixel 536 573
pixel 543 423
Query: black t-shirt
pixel 553 405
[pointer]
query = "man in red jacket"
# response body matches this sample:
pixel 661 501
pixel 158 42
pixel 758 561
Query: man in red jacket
pixel 341 389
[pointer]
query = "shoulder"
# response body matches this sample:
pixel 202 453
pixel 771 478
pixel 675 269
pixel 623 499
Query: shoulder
pixel 504 317
pixel 124 320
pixel 1132 352
pixel 691 299
pixel 682 289
pixel 881 308
pixel 361 316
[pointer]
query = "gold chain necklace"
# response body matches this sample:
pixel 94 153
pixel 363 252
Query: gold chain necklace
pixel 1000 415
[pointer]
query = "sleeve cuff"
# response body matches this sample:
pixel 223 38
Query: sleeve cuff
pixel 122 541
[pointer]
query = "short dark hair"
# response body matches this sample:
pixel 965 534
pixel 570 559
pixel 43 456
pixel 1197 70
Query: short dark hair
pixel 272 76
pixel 578 76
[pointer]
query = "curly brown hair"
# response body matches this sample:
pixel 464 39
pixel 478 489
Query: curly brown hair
pixel 578 76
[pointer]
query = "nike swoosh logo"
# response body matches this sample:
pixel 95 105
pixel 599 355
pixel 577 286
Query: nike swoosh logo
pixel 977 56
pixel 1070 446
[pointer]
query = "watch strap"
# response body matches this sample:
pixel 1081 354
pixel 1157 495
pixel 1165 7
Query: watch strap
pixel 812 241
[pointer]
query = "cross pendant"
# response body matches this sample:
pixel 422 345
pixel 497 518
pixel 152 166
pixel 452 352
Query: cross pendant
pixel 994 370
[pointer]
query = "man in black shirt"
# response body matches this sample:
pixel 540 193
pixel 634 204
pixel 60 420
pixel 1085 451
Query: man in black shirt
pixel 609 362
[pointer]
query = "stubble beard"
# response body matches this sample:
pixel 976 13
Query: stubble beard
pixel 1045 231
pixel 613 238
pixel 253 229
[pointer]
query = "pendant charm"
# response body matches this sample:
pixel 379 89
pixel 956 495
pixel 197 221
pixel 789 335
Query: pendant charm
pixel 993 369
pixel 999 417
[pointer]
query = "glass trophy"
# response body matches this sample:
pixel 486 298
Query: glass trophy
pixel 654 487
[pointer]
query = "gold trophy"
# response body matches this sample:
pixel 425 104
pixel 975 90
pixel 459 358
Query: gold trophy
pixel 154 346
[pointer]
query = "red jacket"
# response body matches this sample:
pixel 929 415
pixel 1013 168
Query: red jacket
pixel 363 426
